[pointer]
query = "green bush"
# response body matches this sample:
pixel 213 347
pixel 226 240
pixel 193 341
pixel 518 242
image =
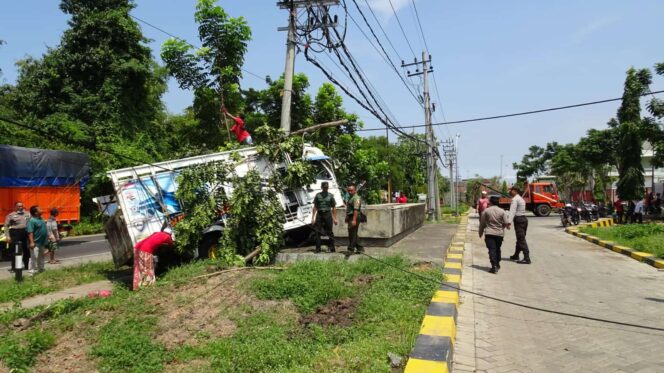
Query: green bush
pixel 86 226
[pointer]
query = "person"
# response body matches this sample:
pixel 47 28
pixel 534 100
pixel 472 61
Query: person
pixel 352 219
pixel 658 204
pixel 53 236
pixel 144 257
pixel 324 215
pixel 631 206
pixel 650 203
pixel 638 212
pixel 493 222
pixel 518 218
pixel 402 198
pixel 37 238
pixel 619 210
pixel 242 135
pixel 15 228
pixel 482 203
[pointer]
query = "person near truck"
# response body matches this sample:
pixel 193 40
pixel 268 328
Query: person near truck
pixel 639 209
pixel 38 239
pixel 53 236
pixel 144 251
pixel 242 135
pixel 353 220
pixel 518 218
pixel 402 198
pixel 493 222
pixel 15 227
pixel 324 215
pixel 618 204
pixel 482 203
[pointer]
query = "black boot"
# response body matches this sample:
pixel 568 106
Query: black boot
pixel 514 257
pixel 525 260
pixel 493 269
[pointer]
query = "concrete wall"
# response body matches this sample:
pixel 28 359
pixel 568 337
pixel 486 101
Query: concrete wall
pixel 386 223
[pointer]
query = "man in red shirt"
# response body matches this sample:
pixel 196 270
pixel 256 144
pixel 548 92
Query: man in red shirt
pixel 619 210
pixel 402 198
pixel 242 135
pixel 482 203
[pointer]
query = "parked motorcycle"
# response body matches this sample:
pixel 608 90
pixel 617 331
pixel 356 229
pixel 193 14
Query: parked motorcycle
pixel 593 210
pixel 566 215
pixel 585 213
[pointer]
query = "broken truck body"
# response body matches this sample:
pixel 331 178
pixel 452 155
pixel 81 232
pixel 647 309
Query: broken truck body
pixel 146 195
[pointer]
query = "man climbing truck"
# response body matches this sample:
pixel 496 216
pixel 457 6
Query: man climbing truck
pixel 541 198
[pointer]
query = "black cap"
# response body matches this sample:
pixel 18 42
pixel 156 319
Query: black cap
pixel 494 200
pixel 324 184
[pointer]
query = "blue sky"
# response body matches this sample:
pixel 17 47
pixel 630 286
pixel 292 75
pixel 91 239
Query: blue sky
pixel 489 57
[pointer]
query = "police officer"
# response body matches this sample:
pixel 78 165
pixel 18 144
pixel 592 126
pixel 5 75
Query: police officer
pixel 353 220
pixel 324 214
pixel 15 227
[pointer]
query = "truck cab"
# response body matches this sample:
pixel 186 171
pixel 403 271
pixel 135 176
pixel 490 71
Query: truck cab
pixel 541 198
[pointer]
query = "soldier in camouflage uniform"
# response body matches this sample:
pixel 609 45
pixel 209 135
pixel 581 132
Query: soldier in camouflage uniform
pixel 324 215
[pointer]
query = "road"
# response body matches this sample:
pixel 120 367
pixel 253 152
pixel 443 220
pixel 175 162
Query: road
pixel 569 275
pixel 74 250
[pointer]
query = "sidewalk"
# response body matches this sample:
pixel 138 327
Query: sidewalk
pixel 103 257
pixel 75 292
pixel 567 275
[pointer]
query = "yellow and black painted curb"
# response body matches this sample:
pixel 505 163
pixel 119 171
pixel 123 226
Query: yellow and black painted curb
pixel 434 346
pixel 641 256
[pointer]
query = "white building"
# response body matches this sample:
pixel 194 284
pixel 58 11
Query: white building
pixel 654 177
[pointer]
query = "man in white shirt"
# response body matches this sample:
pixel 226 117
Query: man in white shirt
pixel 518 218
pixel 638 212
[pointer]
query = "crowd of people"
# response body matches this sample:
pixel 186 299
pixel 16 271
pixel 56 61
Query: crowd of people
pixel 31 237
pixel 634 211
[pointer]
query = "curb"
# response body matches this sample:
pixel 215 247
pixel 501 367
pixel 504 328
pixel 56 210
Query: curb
pixel 434 346
pixel 644 257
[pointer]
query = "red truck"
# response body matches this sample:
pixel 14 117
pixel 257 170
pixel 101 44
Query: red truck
pixel 541 198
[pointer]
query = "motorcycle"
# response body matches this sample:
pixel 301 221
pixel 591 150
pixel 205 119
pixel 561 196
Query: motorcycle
pixel 569 215
pixel 585 213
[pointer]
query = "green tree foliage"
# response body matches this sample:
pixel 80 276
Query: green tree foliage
pixel 213 71
pixel 630 169
pixel 536 162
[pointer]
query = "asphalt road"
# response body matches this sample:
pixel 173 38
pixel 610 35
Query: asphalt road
pixel 75 248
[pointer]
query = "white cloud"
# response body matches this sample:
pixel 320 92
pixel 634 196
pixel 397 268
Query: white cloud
pixel 593 27
pixel 383 8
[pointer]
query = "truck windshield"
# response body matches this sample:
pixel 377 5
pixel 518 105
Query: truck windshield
pixel 322 171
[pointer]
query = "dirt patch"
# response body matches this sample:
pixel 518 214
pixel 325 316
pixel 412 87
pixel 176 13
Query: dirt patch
pixel 364 279
pixel 70 354
pixel 200 312
pixel 337 312
pixel 423 266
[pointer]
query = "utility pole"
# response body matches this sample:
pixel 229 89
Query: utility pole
pixel 456 170
pixel 432 187
pixel 449 149
pixel 314 7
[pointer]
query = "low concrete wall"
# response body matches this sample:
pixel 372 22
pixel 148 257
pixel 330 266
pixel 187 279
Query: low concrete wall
pixel 386 224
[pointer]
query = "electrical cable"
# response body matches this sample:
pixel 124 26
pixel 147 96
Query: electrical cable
pixel 262 78
pixel 402 29
pixel 482 295
pixel 557 108
pixel 417 17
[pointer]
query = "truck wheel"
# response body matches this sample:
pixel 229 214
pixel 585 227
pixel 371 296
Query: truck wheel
pixel 543 210
pixel 208 247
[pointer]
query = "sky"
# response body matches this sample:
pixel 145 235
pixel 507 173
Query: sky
pixel 489 58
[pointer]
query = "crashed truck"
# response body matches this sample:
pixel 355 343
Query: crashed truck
pixel 146 197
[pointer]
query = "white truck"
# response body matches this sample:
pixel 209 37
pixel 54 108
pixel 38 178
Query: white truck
pixel 146 194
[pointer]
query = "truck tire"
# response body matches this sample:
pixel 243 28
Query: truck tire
pixel 543 210
pixel 208 247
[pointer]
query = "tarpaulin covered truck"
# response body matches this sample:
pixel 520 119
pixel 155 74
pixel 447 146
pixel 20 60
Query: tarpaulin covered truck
pixel 48 178
pixel 146 195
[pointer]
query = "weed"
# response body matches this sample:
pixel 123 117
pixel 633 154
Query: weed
pixel 643 237
pixel 19 351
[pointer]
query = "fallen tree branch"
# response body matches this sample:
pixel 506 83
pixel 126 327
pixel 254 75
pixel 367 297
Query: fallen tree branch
pixel 317 127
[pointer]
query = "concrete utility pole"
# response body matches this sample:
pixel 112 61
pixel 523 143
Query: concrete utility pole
pixel 449 149
pixel 456 171
pixel 433 204
pixel 291 44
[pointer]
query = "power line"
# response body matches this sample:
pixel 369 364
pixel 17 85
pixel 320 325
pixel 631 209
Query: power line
pixel 401 27
pixel 417 17
pixel 262 78
pixel 521 113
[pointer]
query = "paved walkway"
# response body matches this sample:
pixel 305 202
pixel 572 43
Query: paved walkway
pixel 570 275
pixel 74 292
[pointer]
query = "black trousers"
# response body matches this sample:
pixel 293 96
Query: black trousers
pixel 19 236
pixel 520 228
pixel 494 243
pixel 637 218
pixel 324 226
pixel 352 236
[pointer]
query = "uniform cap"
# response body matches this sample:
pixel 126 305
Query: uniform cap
pixel 324 184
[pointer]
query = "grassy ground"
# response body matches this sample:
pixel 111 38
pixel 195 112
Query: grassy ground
pixel 54 280
pixel 312 316
pixel 643 237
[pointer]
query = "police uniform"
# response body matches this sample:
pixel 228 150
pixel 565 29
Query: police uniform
pixel 354 204
pixel 15 225
pixel 324 202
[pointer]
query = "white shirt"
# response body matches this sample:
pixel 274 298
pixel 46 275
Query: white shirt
pixel 517 207
pixel 639 208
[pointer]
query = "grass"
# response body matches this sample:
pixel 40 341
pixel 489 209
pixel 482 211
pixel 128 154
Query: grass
pixel 463 207
pixel 85 227
pixel 53 280
pixel 642 237
pixel 122 329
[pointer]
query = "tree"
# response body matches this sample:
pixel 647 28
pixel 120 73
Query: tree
pixel 535 162
pixel 630 169
pixel 213 71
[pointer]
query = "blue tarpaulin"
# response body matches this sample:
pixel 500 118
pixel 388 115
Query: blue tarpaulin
pixel 27 167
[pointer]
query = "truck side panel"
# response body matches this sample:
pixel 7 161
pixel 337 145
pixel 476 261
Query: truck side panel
pixel 66 199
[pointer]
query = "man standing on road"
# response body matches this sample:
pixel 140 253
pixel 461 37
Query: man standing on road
pixel 38 237
pixel 353 220
pixel 15 225
pixel 518 217
pixel 619 210
pixel 324 214
pixel 493 222
pixel 482 203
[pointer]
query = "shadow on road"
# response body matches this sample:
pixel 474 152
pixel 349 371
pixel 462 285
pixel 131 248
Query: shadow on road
pixel 481 268
pixel 659 300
